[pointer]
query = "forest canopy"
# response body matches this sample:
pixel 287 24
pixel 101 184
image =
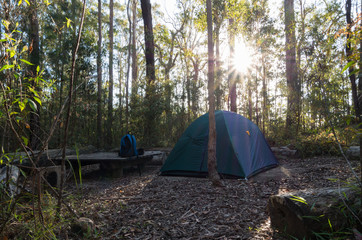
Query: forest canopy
pixel 291 67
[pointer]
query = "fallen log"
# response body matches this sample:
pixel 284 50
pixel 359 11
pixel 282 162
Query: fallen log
pixel 284 152
pixel 353 153
pixel 302 214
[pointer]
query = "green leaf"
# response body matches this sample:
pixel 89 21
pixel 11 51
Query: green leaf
pixel 25 140
pixel 348 65
pixel 33 91
pixel 37 99
pixel 2 40
pixel 12 53
pixel 330 225
pixel 20 2
pixel 18 119
pixel 298 199
pixel 27 2
pixel 27 62
pixel 68 22
pixel 37 69
pixel 6 24
pixel 22 172
pixel 21 106
pixel 6 67
pixel 33 105
pixel 25 48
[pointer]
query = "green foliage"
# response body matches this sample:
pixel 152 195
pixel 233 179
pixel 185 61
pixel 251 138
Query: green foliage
pixel 322 142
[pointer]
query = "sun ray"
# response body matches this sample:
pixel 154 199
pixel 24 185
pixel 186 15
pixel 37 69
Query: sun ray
pixel 242 57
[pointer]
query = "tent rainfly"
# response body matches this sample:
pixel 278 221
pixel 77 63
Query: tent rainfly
pixel 241 149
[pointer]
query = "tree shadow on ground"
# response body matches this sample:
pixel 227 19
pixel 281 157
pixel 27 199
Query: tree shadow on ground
pixel 157 207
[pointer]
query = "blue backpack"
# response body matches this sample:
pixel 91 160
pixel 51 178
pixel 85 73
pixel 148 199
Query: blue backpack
pixel 128 146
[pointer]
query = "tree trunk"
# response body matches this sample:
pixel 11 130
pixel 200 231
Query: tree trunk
pixel 128 65
pixel 211 164
pixel 194 89
pixel 70 96
pixel 120 92
pixel 256 98
pixel 99 76
pixel 110 94
pixel 302 213
pixel 352 77
pixel 134 51
pixel 151 98
pixel 35 60
pixel 291 70
pixel 250 104
pixel 218 91
pixel 265 95
pixel 231 76
pixel 360 96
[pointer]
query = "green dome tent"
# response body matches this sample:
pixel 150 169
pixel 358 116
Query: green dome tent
pixel 241 149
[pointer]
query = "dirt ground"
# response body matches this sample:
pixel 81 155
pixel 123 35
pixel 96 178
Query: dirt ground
pixel 157 207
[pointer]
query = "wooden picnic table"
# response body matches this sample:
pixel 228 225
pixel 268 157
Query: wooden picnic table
pixel 110 161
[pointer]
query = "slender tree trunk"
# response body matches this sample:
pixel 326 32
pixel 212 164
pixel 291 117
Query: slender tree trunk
pixel 256 98
pixel 250 105
pixel 134 47
pixel 120 92
pixel 352 77
pixel 151 98
pixel 110 95
pixel 188 90
pixel 265 95
pixel 194 87
pixel 212 163
pixel 291 70
pixel 218 91
pixel 70 96
pixel 360 93
pixel 231 75
pixel 299 56
pixel 99 77
pixel 35 60
pixel 128 65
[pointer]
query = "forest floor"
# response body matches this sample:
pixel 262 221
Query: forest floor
pixel 157 207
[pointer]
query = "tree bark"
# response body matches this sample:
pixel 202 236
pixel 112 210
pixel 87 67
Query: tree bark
pixel 250 103
pixel 349 53
pixel 195 80
pixel 264 93
pixel 291 70
pixel 360 96
pixel 231 75
pixel 128 65
pixel 211 164
pixel 110 95
pixel 151 99
pixel 218 91
pixel 301 213
pixel 35 60
pixel 99 77
pixel 134 51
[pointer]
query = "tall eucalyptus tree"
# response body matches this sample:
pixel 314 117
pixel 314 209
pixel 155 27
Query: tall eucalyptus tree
pixel 35 60
pixel 110 94
pixel 99 76
pixel 291 70
pixel 211 163
pixel 150 98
